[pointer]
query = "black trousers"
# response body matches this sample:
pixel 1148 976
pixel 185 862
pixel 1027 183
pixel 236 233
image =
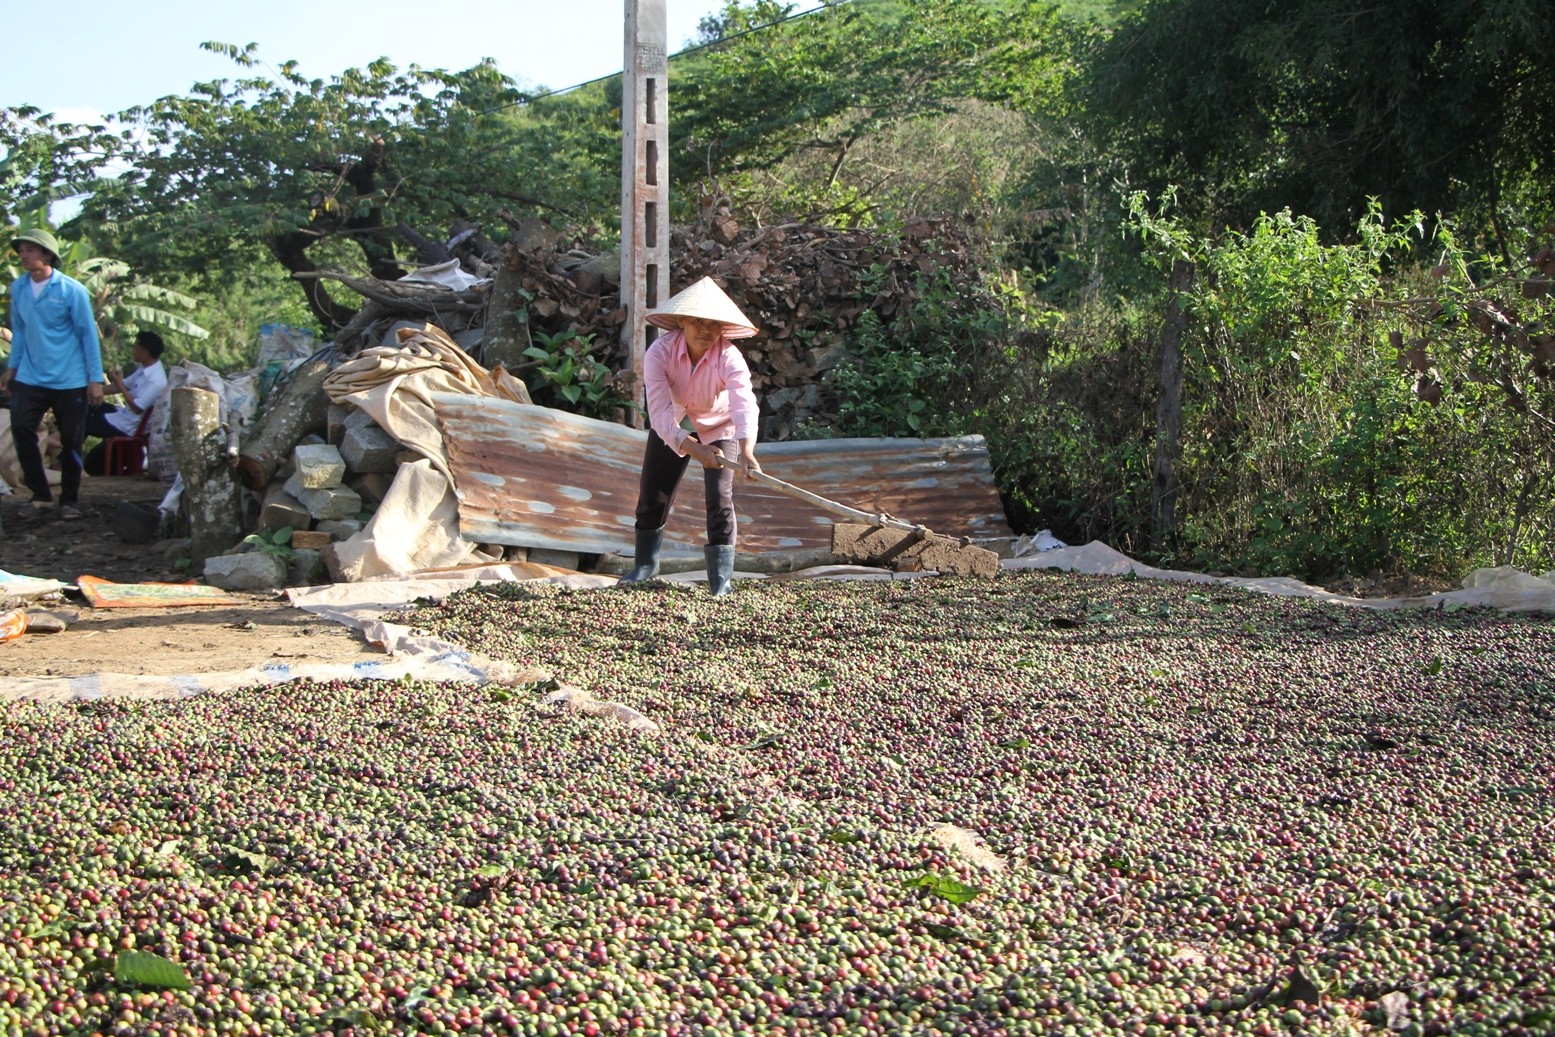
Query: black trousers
pixel 662 471
pixel 29 403
pixel 97 423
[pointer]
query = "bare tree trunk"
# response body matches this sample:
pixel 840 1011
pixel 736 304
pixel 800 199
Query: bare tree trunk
pixel 1168 413
pixel 1519 515
pixel 291 251
pixel 298 410
pixel 210 485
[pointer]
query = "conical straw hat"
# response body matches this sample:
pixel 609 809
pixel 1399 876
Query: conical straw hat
pixel 706 300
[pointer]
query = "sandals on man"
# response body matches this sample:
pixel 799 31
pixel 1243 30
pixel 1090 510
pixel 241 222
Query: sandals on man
pixel 70 513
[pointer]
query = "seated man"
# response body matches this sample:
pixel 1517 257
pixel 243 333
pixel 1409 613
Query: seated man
pixel 141 388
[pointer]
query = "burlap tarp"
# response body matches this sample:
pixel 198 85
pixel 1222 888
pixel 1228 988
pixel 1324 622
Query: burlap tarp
pixel 417 524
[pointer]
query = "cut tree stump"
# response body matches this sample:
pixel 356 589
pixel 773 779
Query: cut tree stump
pixel 210 486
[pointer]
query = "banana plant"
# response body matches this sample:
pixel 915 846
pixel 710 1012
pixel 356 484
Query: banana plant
pixel 119 299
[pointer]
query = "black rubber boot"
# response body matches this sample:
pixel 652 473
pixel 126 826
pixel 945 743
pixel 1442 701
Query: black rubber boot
pixel 720 568
pixel 649 541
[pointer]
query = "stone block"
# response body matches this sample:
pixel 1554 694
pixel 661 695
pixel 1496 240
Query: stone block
pixel 369 449
pixel 280 509
pixel 317 467
pixel 247 571
pixel 359 418
pixel 371 487
pixel 340 529
pixel 306 568
pixel 335 421
pixel 332 564
pixel 558 559
pixel 331 502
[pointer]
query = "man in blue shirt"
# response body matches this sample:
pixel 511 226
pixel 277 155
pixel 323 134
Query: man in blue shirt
pixel 55 365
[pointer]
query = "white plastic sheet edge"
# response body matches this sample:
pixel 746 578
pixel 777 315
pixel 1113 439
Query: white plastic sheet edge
pixel 1503 588
pixel 361 606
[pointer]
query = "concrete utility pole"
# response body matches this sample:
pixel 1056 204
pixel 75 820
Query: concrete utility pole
pixel 645 190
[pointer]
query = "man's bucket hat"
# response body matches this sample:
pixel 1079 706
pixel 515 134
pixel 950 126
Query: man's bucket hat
pixel 706 300
pixel 42 238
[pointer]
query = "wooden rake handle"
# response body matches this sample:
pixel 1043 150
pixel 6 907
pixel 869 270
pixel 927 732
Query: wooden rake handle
pixel 881 519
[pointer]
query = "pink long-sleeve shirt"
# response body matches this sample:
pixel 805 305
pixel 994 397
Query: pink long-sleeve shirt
pixel 715 393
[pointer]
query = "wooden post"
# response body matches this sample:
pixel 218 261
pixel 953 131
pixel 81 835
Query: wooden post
pixel 1168 413
pixel 507 322
pixel 210 485
pixel 645 190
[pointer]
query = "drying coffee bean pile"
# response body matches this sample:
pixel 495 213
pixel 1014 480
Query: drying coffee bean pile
pixel 1040 804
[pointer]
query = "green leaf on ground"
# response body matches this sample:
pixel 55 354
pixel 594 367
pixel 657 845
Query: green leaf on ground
pixel 242 862
pixel 953 890
pixel 142 969
pixel 60 926
pixel 356 1018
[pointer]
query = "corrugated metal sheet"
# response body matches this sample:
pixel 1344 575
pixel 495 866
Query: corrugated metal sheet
pixel 531 476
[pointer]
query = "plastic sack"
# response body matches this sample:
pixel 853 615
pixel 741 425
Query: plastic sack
pixel 284 343
pixel 240 393
pixel 13 624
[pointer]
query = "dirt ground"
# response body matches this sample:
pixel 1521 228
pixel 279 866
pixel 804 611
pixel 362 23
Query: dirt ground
pixel 257 629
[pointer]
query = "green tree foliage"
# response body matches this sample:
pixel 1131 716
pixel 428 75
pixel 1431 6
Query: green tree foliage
pixel 824 83
pixel 1317 436
pixel 1344 411
pixel 1318 105
pixel 321 172
pixel 44 159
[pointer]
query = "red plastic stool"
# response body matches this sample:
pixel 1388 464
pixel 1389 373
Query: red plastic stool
pixel 126 455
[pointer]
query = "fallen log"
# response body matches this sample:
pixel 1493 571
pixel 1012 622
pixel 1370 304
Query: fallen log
pixel 300 409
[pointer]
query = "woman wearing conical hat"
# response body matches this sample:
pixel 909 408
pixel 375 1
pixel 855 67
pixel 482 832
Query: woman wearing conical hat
pixel 695 376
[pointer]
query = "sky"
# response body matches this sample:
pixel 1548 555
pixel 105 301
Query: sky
pixel 102 56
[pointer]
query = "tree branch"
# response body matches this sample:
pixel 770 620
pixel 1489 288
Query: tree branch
pixel 291 251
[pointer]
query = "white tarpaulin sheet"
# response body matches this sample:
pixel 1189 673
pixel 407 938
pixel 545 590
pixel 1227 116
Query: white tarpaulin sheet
pixel 1503 588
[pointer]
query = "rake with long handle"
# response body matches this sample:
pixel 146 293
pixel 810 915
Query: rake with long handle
pixel 799 493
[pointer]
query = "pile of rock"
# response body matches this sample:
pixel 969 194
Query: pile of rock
pixel 324 494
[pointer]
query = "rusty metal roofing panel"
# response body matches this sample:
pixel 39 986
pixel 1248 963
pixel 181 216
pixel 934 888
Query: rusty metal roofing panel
pixel 531 476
